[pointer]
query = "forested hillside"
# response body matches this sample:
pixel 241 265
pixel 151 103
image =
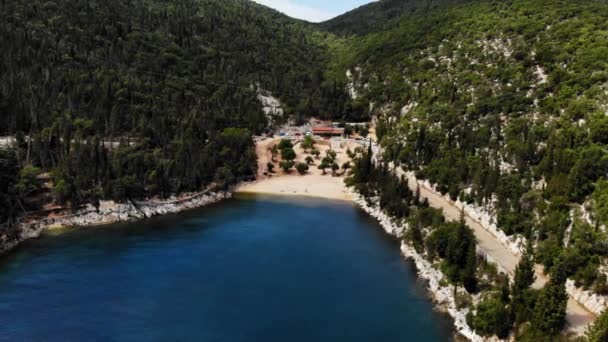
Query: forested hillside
pixel 502 105
pixel 130 99
pixel 379 15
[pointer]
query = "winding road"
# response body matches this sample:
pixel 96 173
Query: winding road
pixel 577 317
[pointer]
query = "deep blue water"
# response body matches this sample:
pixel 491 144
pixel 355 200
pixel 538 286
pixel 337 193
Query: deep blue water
pixel 264 269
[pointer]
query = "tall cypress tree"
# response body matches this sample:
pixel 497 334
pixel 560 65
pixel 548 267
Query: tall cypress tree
pixel 524 273
pixel 524 277
pixel 550 310
pixel 469 273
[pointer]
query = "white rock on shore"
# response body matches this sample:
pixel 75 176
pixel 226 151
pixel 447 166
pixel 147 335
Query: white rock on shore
pixel 111 212
pixel 443 295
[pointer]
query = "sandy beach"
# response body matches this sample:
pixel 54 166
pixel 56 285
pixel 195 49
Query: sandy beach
pixel 313 184
pixel 310 186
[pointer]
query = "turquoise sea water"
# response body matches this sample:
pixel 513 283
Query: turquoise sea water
pixel 249 269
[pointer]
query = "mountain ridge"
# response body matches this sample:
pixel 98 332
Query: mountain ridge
pixel 379 15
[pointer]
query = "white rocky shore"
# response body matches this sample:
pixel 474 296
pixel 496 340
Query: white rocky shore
pixel 111 212
pixel 442 295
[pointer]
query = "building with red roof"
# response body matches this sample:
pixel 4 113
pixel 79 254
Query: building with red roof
pixel 327 131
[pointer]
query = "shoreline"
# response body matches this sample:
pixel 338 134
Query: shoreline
pixel 110 212
pixel 333 188
pixel 315 186
pixel 307 186
pixel 311 186
pixel 441 296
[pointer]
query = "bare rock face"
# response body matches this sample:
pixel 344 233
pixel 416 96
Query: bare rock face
pixel 111 212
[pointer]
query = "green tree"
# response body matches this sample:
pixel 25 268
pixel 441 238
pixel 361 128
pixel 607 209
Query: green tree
pixel 331 154
pixel 224 178
pixel 524 273
pixel 591 164
pixel 346 166
pixel 414 236
pixel 27 183
pixel 492 318
pixel 334 168
pixel 522 280
pixel 302 168
pixel 270 167
pixel 550 310
pixel 308 143
pixel 600 201
pixel 286 165
pixel 288 154
pixel 599 129
pixel 61 191
pixel 324 166
pixel 8 176
pixel 469 273
pixel 598 332
pixel 455 244
pixel 285 144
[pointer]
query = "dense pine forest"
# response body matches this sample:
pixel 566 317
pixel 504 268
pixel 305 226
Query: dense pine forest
pixel 380 15
pixel 501 105
pixel 132 99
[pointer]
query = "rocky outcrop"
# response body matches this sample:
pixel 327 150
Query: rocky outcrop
pixel 112 212
pixel 271 106
pixel 109 212
pixel 19 234
pixel 593 302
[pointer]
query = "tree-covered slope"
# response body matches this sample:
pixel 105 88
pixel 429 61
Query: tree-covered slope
pixel 380 15
pixel 108 60
pixel 128 99
pixel 503 105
